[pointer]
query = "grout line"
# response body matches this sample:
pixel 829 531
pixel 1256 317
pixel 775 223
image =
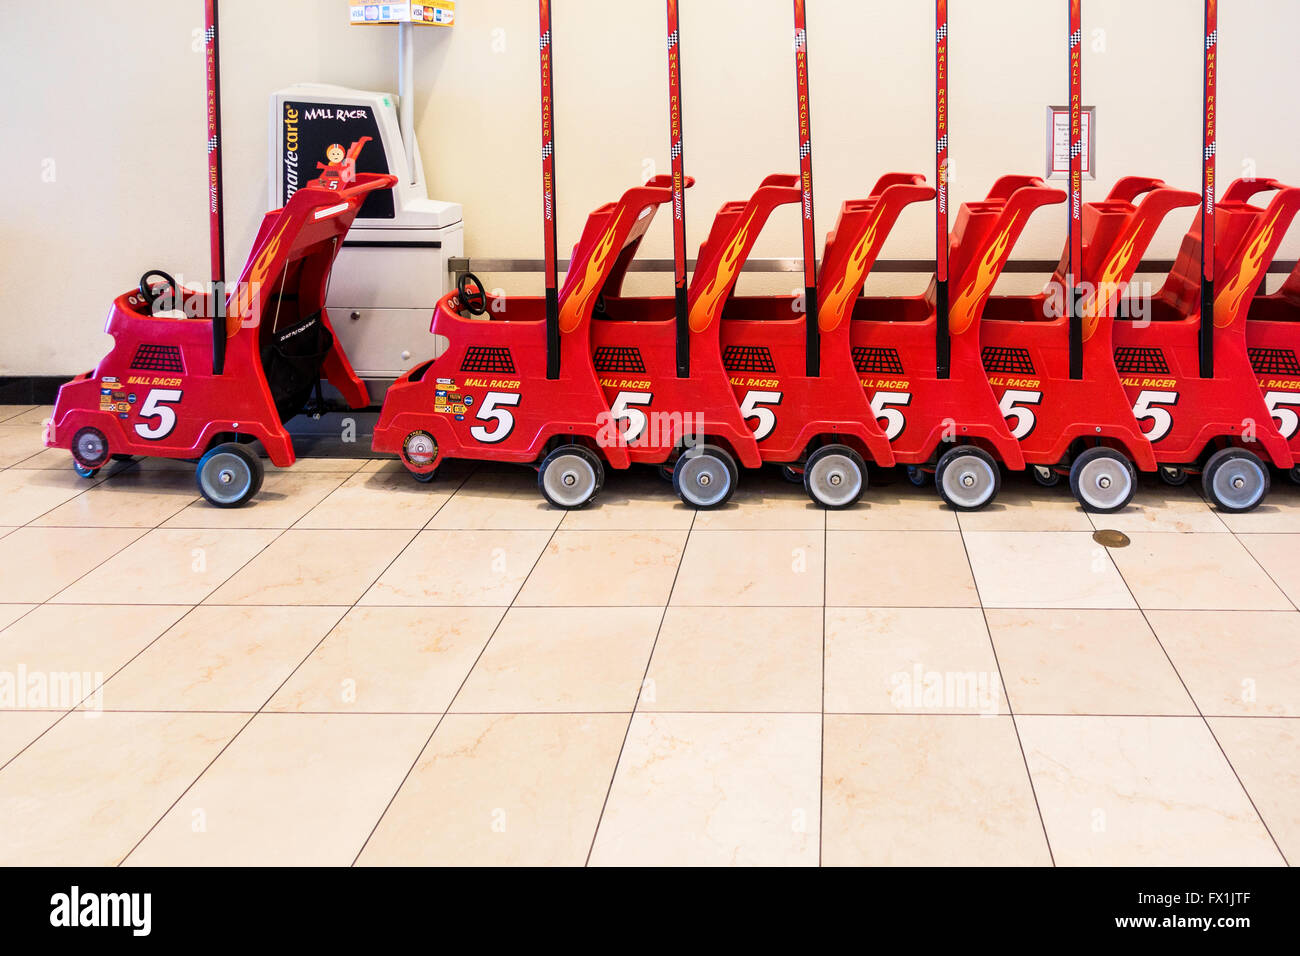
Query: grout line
pixel 645 675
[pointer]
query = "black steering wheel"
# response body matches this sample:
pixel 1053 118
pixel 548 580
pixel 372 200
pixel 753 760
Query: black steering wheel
pixel 151 294
pixel 473 300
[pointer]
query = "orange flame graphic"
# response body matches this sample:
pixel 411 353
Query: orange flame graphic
pixel 832 312
pixel 1227 305
pixel 963 309
pixel 702 313
pixel 575 306
pixel 1107 285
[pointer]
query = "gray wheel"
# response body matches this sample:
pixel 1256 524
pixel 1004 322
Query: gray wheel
pixel 1235 480
pixel 1173 476
pixel 835 477
pixel 918 476
pixel 705 477
pixel 229 475
pixel 89 450
pixel 1047 477
pixel 570 477
pixel 967 478
pixel 1103 480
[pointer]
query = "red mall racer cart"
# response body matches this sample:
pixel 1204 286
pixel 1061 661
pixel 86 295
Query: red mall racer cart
pixel 178 384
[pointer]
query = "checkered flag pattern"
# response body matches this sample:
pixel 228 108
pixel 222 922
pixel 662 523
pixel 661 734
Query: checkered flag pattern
pixel 672 39
pixel 805 150
pixel 547 151
pixel 210 34
pixel 1212 40
pixel 941 33
pixel 1211 150
pixel 1076 149
pixel 545 40
pixel 212 144
pixel 800 39
pixel 676 150
pixel 1076 38
pixel 942 144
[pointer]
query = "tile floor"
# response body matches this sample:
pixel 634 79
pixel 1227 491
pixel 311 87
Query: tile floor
pixel 360 669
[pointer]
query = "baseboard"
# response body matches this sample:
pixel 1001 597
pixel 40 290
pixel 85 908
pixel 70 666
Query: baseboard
pixel 30 389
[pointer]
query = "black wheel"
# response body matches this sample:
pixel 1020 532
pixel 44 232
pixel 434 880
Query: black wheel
pixel 792 474
pixel 1295 474
pixel 1173 476
pixel 229 474
pixel 570 477
pixel 1103 480
pixel 84 472
pixel 1235 480
pixel 424 477
pixel 835 477
pixel 1047 477
pixel 967 478
pixel 918 476
pixel 666 471
pixel 89 451
pixel 705 477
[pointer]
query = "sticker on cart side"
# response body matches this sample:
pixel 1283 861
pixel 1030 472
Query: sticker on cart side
pixel 887 407
pixel 496 411
pixel 1150 407
pixel 159 413
pixel 757 407
pixel 1017 407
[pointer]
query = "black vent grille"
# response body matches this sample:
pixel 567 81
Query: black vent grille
pixel 1274 361
pixel 998 359
pixel 158 358
pixel 618 359
pixel 748 358
pixel 480 358
pixel 1141 361
pixel 880 361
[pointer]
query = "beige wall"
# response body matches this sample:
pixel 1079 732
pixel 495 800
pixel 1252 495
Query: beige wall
pixel 102 164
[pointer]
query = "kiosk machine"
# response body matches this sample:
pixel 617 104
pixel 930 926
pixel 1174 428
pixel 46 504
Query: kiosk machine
pixel 393 266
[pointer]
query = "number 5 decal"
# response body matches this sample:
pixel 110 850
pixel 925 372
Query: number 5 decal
pixel 624 409
pixel 752 407
pixel 1017 404
pixel 495 409
pixel 1147 408
pixel 1288 422
pixel 157 405
pixel 885 405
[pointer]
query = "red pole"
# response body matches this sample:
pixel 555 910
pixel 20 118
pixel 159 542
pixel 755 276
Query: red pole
pixel 813 342
pixel 943 342
pixel 1210 130
pixel 548 195
pixel 216 207
pixel 1073 276
pixel 679 191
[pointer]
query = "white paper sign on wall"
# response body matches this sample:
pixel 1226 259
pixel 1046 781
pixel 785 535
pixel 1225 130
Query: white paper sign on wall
pixel 1058 142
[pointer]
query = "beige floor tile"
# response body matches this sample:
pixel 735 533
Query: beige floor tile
pixel 19 443
pixel 715 789
pixel 632 501
pixel 752 569
pixel 1279 555
pixel 1278 514
pixel 90 788
pixel 166 566
pixel 562 660
pixel 1265 753
pixel 1028 509
pixel 1085 662
pixel 320 465
pixel 737 659
pixel 459 569
pixel 26 495
pixel 284 498
pixel 130 499
pixel 291 790
pixel 1140 791
pixel 9 412
pixel 12 612
pixel 1235 664
pixel 895 507
pixel 55 459
pixel 764 502
pixel 498 501
pixel 928 791
pixel 314 567
pixel 388 499
pixel 1205 572
pixel 220 658
pixel 390 660
pixel 1045 569
pixel 38 563
pixel 612 568
pixel 35 415
pixel 517 790
pixel 910 661
pixel 19 728
pixel 1159 508
pixel 66 652
pixel 898 569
